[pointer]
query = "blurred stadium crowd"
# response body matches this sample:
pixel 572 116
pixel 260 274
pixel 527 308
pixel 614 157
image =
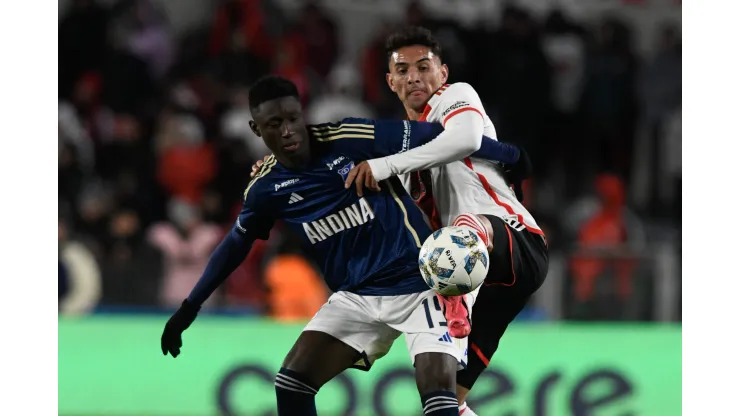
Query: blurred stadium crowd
pixel 155 148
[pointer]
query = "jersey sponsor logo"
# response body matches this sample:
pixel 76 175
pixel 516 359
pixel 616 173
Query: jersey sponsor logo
pixel 344 170
pixel 335 162
pixel 353 216
pixel 294 197
pixel 446 338
pixel 286 183
pixel 406 136
pixel 455 106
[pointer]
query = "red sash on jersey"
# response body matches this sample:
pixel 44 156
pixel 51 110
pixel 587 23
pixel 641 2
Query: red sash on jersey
pixel 421 182
pixel 421 192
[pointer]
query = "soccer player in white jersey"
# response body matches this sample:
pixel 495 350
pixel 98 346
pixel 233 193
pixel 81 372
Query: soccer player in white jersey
pixel 454 189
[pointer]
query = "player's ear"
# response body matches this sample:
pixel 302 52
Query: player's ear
pixel 445 73
pixel 255 128
pixel 389 80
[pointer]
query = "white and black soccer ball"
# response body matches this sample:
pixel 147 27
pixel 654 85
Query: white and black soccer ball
pixel 453 261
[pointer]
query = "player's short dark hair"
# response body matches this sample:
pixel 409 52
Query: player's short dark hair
pixel 412 35
pixel 269 88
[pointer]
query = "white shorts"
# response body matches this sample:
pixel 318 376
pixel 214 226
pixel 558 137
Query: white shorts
pixel 370 325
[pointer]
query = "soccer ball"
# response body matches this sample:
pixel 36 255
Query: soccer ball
pixel 453 261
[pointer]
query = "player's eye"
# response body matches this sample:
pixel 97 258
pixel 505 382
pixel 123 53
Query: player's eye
pixel 273 125
pixel 403 71
pixel 423 68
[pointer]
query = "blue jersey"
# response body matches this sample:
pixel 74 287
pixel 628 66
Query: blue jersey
pixel 367 245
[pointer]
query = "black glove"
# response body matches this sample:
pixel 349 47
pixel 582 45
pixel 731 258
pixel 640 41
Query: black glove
pixel 516 173
pixel 176 325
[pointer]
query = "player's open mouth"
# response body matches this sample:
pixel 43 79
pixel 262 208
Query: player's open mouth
pixel 292 147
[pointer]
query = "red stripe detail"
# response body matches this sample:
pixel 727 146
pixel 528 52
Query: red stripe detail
pixel 511 257
pixel 489 189
pixel 471 221
pixel 460 110
pixel 468 224
pixel 441 89
pixel 469 218
pixel 462 410
pixel 425 201
pixel 480 355
pixel 425 114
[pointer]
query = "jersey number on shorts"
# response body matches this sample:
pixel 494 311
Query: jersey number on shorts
pixel 437 307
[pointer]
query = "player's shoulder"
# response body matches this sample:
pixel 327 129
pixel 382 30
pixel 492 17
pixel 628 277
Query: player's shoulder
pixel 452 98
pixel 351 134
pixel 259 188
pixel 346 128
pixel 457 91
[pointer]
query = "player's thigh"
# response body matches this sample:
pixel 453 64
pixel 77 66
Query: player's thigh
pixel 319 357
pixel 351 319
pixel 421 319
pixel 494 309
pixel 519 258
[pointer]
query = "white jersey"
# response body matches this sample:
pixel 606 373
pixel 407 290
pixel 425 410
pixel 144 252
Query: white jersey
pixel 471 185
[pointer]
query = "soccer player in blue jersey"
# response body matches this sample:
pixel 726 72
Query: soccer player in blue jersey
pixel 366 246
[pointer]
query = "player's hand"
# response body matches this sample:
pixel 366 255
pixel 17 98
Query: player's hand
pixel 176 325
pixel 257 165
pixel 362 176
pixel 517 173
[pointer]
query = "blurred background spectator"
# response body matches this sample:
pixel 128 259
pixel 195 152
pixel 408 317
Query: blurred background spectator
pixel 155 147
pixel 295 288
pixel 79 275
pixel 341 98
pixel 186 243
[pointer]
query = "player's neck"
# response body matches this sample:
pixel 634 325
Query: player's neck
pixel 412 114
pixel 295 164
